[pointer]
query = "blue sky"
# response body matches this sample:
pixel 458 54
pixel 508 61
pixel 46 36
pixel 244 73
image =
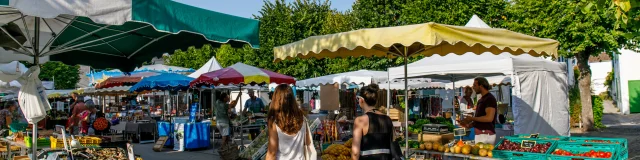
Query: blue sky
pixel 246 8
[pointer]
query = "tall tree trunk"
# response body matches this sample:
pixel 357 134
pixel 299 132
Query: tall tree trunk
pixel 584 82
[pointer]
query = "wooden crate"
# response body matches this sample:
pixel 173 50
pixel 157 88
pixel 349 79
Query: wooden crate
pixel 160 143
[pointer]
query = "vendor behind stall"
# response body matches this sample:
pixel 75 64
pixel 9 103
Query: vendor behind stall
pixel 484 120
pixel 255 105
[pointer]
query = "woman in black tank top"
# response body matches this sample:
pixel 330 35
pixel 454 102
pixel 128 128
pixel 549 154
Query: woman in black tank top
pixel 373 131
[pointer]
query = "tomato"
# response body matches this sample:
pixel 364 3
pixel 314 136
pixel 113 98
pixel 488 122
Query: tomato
pixel 601 154
pixel 592 151
pixel 607 155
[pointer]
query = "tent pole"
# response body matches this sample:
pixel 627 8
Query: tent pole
pixel 453 80
pixel 406 103
pixel 199 102
pixel 36 50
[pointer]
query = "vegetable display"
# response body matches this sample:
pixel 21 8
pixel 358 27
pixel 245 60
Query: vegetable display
pixel 592 153
pixel 417 127
pixel 260 140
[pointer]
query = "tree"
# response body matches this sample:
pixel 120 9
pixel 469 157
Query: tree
pixel 581 34
pixel 625 11
pixel 453 12
pixel 191 58
pixel 65 76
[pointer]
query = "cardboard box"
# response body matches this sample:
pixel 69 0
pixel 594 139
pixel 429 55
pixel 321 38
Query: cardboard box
pixel 430 137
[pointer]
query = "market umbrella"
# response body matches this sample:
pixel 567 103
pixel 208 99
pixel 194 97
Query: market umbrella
pixel 118 34
pixel 419 39
pixel 241 74
pixel 128 80
pixel 164 82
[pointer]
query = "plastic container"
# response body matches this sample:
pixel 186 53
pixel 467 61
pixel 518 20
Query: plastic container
pixel 622 142
pixel 581 147
pixel 540 137
pixel 18 127
pixel 505 154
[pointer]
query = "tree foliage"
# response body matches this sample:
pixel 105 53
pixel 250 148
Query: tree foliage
pixel 65 76
pixel 580 33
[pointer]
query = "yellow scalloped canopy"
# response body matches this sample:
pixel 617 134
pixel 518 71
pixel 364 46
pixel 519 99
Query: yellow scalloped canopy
pixel 427 39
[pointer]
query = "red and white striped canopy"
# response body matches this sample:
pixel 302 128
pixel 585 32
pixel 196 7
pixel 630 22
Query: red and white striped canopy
pixel 241 73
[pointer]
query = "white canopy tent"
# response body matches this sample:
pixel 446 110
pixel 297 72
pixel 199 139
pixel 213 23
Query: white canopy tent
pixel 414 83
pixel 493 80
pixel 355 77
pixel 540 97
pixel 211 65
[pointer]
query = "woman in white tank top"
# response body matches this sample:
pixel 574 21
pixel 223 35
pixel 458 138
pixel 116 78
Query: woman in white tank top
pixel 287 126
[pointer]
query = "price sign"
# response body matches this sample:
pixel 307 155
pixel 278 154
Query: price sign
pixel 459 132
pixel 527 144
pixel 534 135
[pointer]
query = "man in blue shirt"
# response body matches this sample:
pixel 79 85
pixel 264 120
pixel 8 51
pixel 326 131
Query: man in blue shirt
pixel 253 104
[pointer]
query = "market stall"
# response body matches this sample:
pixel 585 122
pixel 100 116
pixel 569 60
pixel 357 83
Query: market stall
pixel 419 39
pixel 241 75
pixel 191 131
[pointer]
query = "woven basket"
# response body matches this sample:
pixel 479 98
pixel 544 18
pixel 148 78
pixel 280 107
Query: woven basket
pixel 229 152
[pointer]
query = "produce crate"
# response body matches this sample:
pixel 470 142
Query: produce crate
pixel 621 143
pixel 540 137
pixel 623 154
pixel 581 147
pixel 57 143
pixel 90 140
pixel 514 155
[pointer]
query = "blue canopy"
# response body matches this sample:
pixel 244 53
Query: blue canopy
pixel 164 82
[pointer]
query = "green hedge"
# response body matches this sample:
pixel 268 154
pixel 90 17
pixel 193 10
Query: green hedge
pixel 598 108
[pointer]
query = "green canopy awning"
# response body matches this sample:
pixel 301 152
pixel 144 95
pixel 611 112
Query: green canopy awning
pixel 121 33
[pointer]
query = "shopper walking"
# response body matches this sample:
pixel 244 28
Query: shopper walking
pixel 286 126
pixel 223 105
pixel 372 131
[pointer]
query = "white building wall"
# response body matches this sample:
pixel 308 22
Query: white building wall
pixel 599 72
pixel 628 67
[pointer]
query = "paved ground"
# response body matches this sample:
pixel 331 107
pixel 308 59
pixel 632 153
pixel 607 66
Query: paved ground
pixel 620 126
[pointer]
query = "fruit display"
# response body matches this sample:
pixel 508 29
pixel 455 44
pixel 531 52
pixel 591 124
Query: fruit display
pixel 348 143
pixel 592 153
pixel 100 124
pixel 336 152
pixel 516 146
